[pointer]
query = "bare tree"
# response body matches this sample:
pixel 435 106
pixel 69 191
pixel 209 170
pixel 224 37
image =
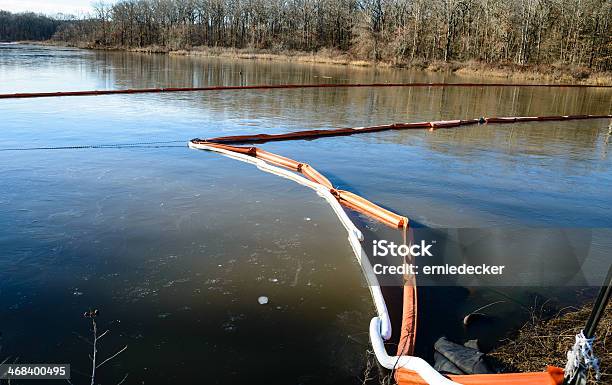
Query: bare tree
pixel 576 32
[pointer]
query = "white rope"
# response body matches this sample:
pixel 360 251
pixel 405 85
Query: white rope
pixel 416 364
pixel 375 291
pixel 582 353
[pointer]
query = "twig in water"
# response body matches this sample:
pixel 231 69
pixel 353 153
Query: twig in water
pixel 368 369
pixel 113 356
pixel 468 318
pixel 92 314
pixel 102 335
pixel 123 380
pixel 6 359
pixel 14 362
pixel 95 350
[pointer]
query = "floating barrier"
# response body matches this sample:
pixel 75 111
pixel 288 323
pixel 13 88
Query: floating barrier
pixel 409 370
pixel 408 331
pixel 345 198
pixel 23 95
pixel 552 376
pixel 314 134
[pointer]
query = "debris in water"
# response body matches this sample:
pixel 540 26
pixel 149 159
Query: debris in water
pixel 229 327
pixel 262 300
pixel 473 317
pixel 91 313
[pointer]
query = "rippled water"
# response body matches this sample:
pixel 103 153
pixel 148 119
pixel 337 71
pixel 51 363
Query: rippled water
pixel 175 246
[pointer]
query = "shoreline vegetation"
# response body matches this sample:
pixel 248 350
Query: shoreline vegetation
pixel 545 341
pixel 553 73
pixel 560 41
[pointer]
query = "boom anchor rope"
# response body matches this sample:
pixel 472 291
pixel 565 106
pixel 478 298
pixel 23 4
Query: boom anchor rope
pixel 581 358
pixel 582 355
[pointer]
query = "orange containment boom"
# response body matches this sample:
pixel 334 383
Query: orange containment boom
pixel 552 376
pixel 406 345
pixel 409 370
pixel 348 199
pixel 23 95
pixel 314 134
pixel 407 340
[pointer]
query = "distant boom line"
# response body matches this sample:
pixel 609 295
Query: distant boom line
pixel 25 95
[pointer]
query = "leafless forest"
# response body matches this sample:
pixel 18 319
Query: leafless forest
pixel 568 32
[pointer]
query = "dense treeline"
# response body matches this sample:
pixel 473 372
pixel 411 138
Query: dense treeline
pixel 26 26
pixel 575 32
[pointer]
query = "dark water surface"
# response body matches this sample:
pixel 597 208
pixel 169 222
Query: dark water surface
pixel 174 246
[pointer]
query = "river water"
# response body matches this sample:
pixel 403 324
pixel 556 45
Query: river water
pixel 174 246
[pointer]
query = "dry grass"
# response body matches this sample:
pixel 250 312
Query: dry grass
pixel 321 57
pixel 150 49
pixel 540 343
pixel 561 73
pixel 550 73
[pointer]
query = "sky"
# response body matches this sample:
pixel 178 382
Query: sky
pixel 48 7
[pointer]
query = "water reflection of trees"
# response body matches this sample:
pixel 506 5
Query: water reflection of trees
pixel 284 110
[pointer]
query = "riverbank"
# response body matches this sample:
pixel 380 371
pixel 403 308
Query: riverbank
pixel 540 342
pixel 534 73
